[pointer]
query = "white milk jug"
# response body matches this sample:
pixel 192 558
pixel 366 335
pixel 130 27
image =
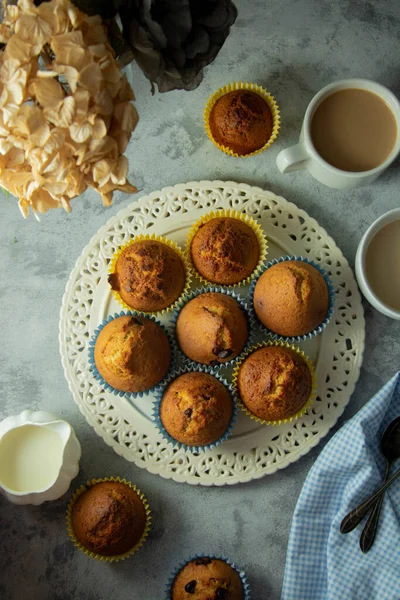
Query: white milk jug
pixel 39 456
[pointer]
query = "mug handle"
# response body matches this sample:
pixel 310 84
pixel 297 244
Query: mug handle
pixel 294 158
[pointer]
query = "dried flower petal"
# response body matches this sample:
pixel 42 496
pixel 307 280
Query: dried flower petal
pixel 3 129
pixel 48 92
pixel 128 188
pixel 126 115
pixel 40 137
pixel 20 50
pixel 90 77
pixel 95 32
pixel 82 98
pixel 120 171
pixel 28 7
pixel 62 115
pixel 99 129
pixel 9 112
pixel 42 201
pixel 104 103
pixel 29 28
pixel 46 74
pixel 75 16
pixel 80 132
pixel 110 70
pixel 69 51
pixel 102 172
pixel 55 189
pixel 125 93
pixel 5 146
pixel 55 15
pixel 122 139
pixel 11 15
pixel 5 33
pixel 28 120
pixel 107 198
pixel 70 73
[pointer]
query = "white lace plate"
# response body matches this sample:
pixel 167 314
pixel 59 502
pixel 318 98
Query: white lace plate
pixel 253 450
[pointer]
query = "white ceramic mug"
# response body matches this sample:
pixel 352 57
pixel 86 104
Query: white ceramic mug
pixel 305 156
pixel 365 287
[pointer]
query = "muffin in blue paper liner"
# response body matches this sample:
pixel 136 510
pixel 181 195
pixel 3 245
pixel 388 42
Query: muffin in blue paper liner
pixel 237 331
pixel 294 338
pixel 156 417
pixel 244 594
pixel 129 394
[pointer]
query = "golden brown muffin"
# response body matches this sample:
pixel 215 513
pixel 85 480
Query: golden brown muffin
pixel 196 409
pixel 225 250
pixel 242 121
pixel 291 298
pixel 207 579
pixel 132 353
pixel 108 518
pixel 148 275
pixel 274 383
pixel 212 328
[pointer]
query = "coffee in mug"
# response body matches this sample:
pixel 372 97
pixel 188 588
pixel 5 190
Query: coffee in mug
pixel 353 130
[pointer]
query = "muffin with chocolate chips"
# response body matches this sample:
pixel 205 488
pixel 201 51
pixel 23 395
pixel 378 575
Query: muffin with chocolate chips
pixel 207 579
pixel 196 409
pixel 274 383
pixel 225 250
pixel 109 518
pixel 291 298
pixel 241 120
pixel 132 353
pixel 148 275
pixel 212 328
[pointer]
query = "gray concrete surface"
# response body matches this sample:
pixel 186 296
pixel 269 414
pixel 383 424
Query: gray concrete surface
pixel 293 48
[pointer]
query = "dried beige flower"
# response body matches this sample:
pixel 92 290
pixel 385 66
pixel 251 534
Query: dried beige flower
pixel 66 114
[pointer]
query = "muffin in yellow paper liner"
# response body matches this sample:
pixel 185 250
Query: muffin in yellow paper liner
pixel 101 557
pixel 253 87
pixel 303 409
pixel 170 244
pixel 231 214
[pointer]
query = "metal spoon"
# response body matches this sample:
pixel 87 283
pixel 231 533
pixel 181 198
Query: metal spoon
pixel 390 446
pixel 368 534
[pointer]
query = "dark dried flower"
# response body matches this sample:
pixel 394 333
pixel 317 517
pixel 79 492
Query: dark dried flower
pixel 171 40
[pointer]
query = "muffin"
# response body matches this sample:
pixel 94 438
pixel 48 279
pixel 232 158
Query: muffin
pixel 212 328
pixel 109 518
pixel 242 121
pixel 225 250
pixel 148 275
pixel 291 298
pixel 132 353
pixel 274 383
pixel 196 409
pixel 207 579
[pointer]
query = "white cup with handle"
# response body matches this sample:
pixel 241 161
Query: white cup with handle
pixel 304 155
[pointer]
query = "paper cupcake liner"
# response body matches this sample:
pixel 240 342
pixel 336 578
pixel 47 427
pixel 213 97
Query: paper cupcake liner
pixel 298 338
pixel 253 87
pixel 240 572
pixel 251 324
pixel 156 409
pixel 167 242
pixel 231 214
pixel 303 409
pixel 110 388
pixel 100 557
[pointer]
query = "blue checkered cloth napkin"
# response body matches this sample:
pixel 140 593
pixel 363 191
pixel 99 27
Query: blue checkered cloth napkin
pixel 322 563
